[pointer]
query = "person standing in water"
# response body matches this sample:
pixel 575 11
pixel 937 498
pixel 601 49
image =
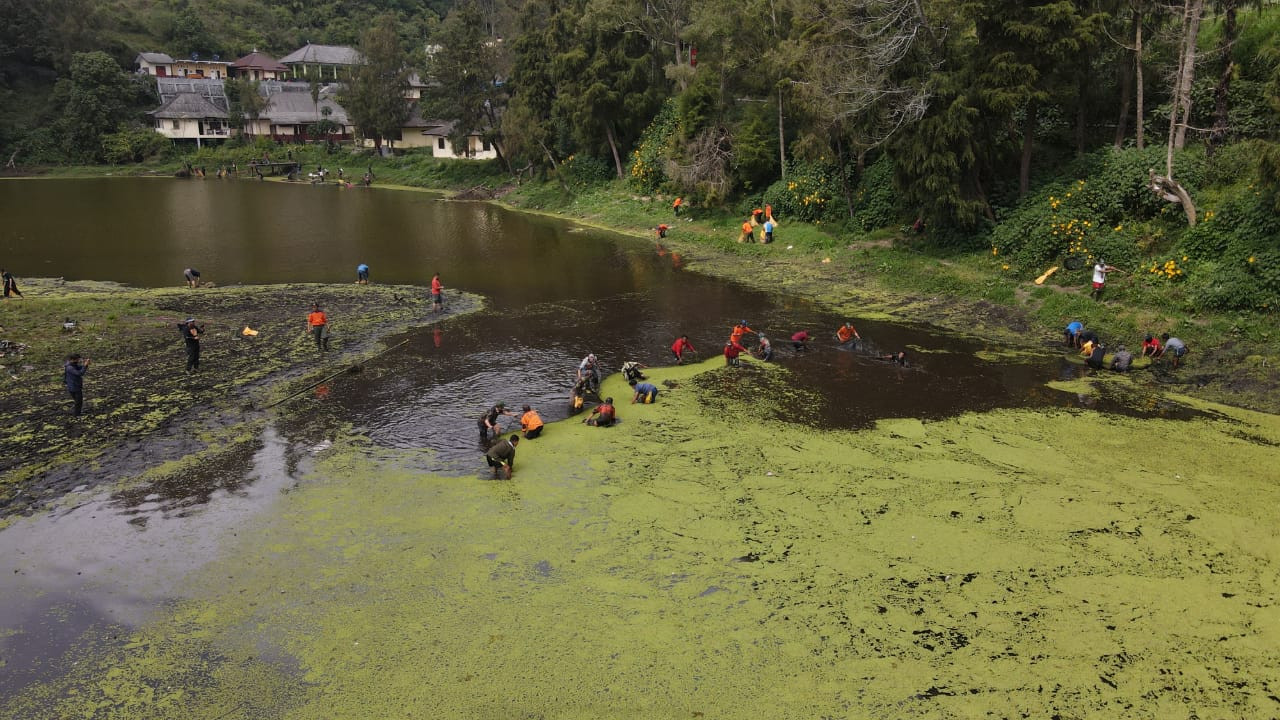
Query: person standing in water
pixel 437 293
pixel 193 277
pixel 502 456
pixel 362 274
pixel 847 333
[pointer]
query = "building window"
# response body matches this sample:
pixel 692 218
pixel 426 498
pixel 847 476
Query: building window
pixel 175 124
pixel 440 143
pixel 485 145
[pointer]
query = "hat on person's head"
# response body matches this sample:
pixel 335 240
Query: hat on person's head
pixel 500 405
pixel 189 320
pixel 1149 338
pixel 744 322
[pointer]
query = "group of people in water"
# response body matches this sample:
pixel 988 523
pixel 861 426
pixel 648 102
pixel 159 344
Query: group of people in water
pixel 500 452
pixel 1095 353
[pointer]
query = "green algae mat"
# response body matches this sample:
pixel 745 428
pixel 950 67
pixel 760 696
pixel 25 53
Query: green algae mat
pixel 701 560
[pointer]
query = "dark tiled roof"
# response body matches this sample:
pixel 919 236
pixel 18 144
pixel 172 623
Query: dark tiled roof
pixel 259 61
pixel 324 55
pixel 188 106
pixel 154 58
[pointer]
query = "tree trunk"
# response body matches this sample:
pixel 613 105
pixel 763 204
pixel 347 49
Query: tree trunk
pixel 1195 10
pixel 1080 112
pixel 782 139
pixel 1126 95
pixel 1221 105
pixel 613 147
pixel 1139 118
pixel 1028 144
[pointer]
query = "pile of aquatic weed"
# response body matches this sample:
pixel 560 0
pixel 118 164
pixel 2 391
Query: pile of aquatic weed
pixel 702 560
pixel 141 407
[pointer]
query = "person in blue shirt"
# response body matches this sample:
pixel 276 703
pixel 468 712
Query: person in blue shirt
pixel 1072 334
pixel 362 274
pixel 645 392
pixel 73 375
pixel 768 231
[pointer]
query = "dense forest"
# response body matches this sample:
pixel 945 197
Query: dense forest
pixel 1043 128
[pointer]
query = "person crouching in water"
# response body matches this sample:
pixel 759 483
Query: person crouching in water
pixel 765 350
pixel 1122 360
pixel 603 415
pixel 488 422
pixel 502 456
pixel 531 423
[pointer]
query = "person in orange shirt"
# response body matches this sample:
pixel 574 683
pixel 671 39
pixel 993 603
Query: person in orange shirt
pixel 735 336
pixel 531 423
pixel 675 206
pixel 437 293
pixel 747 233
pixel 318 325
pixel 846 333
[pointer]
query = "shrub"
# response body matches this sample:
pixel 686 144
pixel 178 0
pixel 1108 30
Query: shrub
pixel 133 145
pixel 875 201
pixel 805 194
pixel 649 157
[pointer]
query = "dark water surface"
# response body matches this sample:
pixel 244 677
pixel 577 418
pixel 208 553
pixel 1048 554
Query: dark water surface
pixel 555 293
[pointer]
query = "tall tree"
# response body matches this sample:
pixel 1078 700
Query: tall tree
pixel 96 98
pixel 528 125
pixel 1023 50
pixel 468 88
pixel 608 88
pixel 375 95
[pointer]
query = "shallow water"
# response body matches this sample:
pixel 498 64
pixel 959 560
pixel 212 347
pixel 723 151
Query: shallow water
pixel 554 294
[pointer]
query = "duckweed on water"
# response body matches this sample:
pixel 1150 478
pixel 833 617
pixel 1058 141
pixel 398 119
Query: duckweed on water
pixel 701 559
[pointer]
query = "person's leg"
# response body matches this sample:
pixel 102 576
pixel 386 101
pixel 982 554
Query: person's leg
pixel 315 335
pixel 196 358
pixel 191 356
pixel 77 401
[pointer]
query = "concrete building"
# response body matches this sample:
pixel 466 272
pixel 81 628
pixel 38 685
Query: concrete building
pixel 322 62
pixel 258 67
pixel 191 116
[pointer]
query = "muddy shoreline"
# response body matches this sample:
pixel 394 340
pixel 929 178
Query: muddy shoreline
pixel 143 410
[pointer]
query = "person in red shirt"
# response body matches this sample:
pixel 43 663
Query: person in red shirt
pixel 679 347
pixel 437 293
pixel 731 352
pixel 799 341
pixel 1151 346
pixel 318 324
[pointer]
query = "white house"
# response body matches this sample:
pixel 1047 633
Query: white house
pixel 190 116
pixel 154 63
pixel 259 66
pixel 290 112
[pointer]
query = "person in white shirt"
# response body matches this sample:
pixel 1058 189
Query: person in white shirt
pixel 1100 270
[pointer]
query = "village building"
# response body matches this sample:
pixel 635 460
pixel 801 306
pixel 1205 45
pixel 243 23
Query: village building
pixel 291 115
pixel 191 116
pixel 154 64
pixel 258 67
pixel 321 62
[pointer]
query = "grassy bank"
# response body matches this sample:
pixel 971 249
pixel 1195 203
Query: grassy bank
pixel 137 384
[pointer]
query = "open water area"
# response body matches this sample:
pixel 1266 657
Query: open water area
pixel 105 562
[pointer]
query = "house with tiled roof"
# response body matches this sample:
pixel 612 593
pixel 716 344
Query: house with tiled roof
pixel 322 62
pixel 259 66
pixel 291 115
pixel 191 116
pixel 156 64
